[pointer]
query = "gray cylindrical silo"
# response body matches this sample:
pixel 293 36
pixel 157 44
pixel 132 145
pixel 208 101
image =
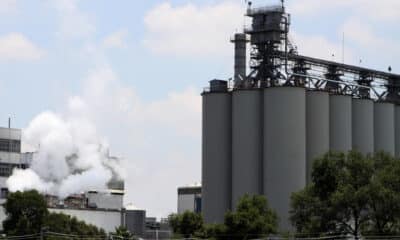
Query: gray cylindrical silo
pixel 384 127
pixel 397 131
pixel 340 123
pixel 363 125
pixel 284 147
pixel 317 126
pixel 246 143
pixel 216 156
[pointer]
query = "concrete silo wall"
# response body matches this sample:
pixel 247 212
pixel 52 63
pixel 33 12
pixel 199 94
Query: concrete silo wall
pixel 246 143
pixel 363 125
pixel 340 121
pixel 384 127
pixel 216 164
pixel 317 127
pixel 284 147
pixel 397 131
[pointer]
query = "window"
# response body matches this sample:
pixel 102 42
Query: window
pixel 7 145
pixel 6 169
pixel 3 192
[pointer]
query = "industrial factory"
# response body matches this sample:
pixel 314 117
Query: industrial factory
pixel 263 129
pixel 101 207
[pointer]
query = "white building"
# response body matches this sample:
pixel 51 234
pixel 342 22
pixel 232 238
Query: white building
pixel 10 157
pixel 189 199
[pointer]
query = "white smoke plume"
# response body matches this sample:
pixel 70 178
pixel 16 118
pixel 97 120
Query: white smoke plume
pixel 70 157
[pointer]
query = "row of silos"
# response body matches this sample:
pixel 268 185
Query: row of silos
pixel 263 141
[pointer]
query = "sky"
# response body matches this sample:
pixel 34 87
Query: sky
pixel 136 69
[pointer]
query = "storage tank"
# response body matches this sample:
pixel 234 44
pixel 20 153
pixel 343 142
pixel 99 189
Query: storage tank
pixel 284 147
pixel 384 128
pixel 317 126
pixel 216 152
pixel 135 221
pixel 246 143
pixel 397 131
pixel 363 125
pixel 340 121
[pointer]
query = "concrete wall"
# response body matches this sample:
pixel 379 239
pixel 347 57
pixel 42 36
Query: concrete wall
pixel 317 126
pixel 216 154
pixel 384 128
pixel 284 147
pixel 397 130
pixel 10 133
pixel 135 221
pixel 340 123
pixel 2 217
pixel 186 203
pixel 10 157
pixel 246 143
pixel 363 125
pixel 108 220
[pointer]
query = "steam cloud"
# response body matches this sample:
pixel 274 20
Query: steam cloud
pixel 70 157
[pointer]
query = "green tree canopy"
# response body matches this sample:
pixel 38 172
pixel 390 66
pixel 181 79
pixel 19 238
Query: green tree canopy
pixel 186 224
pixel 62 223
pixel 252 219
pixel 123 233
pixel 26 212
pixel 349 194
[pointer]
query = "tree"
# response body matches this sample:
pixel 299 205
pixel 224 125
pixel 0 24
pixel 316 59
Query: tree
pixel 123 233
pixel 349 194
pixel 385 196
pixel 62 223
pixel 252 219
pixel 186 224
pixel 26 212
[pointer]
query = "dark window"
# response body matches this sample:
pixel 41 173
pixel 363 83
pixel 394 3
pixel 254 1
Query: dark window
pixel 7 145
pixel 3 192
pixel 6 169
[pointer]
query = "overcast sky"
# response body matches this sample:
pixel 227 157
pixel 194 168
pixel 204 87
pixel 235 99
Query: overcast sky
pixel 136 70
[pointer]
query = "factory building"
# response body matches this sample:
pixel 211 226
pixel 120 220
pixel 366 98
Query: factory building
pixel 102 208
pixel 10 157
pixel 262 131
pixel 189 199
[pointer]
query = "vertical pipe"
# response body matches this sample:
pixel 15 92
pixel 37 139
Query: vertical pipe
pixel 317 126
pixel 284 156
pixel 216 154
pixel 240 40
pixel 246 143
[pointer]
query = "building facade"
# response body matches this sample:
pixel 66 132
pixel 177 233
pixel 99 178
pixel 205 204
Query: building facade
pixel 189 199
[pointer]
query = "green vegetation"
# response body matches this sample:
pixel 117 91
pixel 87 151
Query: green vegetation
pixel 350 194
pixel 123 233
pixel 252 219
pixel 187 224
pixel 27 214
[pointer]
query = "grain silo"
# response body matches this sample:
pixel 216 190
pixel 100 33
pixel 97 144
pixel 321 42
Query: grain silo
pixel 263 130
pixel 216 167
